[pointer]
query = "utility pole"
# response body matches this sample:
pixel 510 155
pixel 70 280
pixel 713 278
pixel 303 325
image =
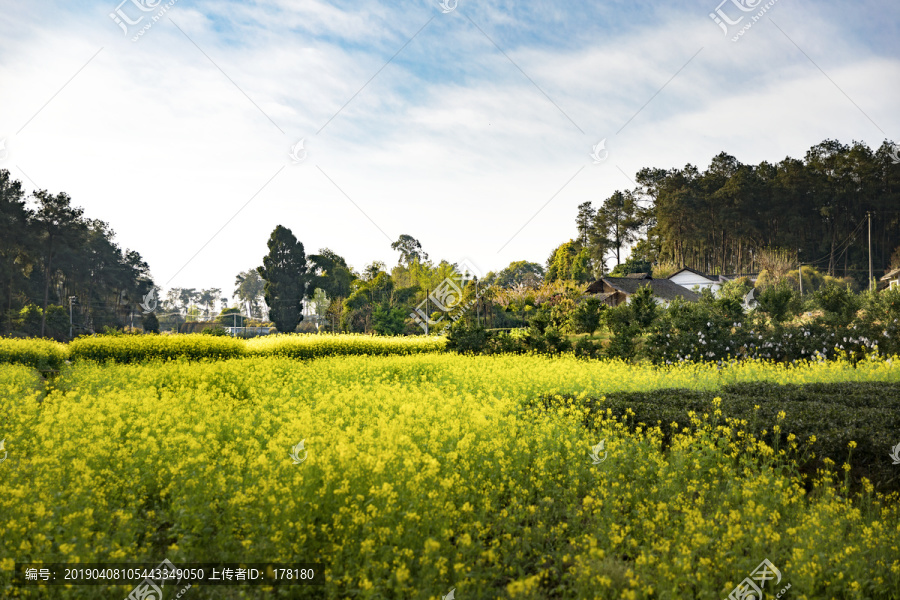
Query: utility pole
pixel 869 214
pixel 427 318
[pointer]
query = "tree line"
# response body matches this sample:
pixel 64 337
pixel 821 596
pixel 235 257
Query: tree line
pixel 719 220
pixel 50 253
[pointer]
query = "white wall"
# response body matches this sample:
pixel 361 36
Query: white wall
pixel 690 280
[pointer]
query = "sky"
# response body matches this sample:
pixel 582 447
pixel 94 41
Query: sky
pixel 195 127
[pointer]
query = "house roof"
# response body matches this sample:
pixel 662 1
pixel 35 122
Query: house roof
pixel 891 275
pixel 662 288
pixel 689 270
pixel 605 296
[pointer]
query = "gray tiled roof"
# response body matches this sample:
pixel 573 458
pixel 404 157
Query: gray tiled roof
pixel 662 288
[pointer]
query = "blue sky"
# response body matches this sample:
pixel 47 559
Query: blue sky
pixel 475 138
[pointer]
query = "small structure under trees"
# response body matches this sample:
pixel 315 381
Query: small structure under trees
pixel 617 290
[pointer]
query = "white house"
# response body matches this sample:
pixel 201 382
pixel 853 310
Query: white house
pixel 689 278
pixel 890 280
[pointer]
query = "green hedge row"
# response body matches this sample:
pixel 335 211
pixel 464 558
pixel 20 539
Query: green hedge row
pixel 41 354
pixel 867 413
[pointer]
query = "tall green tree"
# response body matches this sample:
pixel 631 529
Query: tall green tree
pixel 249 287
pixel 15 250
pixel 286 273
pixel 410 249
pixel 618 221
pixel 61 226
pixel 520 272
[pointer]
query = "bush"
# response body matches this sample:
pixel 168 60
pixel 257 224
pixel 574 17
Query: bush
pixel 150 323
pixel 40 354
pixel 231 317
pixel 467 339
pixel 28 321
pixel 779 302
pixel 834 414
pixel 217 331
pixel 588 315
pixel 555 341
pixel 880 320
pixel 131 349
pixel 624 328
pixel 839 304
pixel 711 329
pixel 309 346
pixel 585 348
pixel 644 307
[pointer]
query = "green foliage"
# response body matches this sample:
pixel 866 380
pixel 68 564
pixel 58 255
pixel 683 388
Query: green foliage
pixel 644 307
pixel 778 302
pixel 150 323
pixel 387 320
pixel 410 249
pixel 561 311
pixel 568 262
pixel 588 315
pixel 285 271
pixel 249 287
pixel 616 224
pixel 880 319
pixel 215 331
pixel 28 322
pixel 698 331
pixel 520 272
pixel 231 317
pixel 839 304
pixel 624 327
pixel 632 265
pixel 541 318
pixel 467 339
pixel 555 341
pixel 812 279
pixel 867 413
pixel 586 349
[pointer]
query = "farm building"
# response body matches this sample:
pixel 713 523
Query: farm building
pixel 616 290
pixel 890 280
pixel 690 278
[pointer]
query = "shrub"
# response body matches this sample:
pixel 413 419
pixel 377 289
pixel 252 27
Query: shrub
pixel 644 307
pixel 128 349
pixel 217 331
pixel 831 414
pixel 309 346
pixel 40 354
pixel 467 339
pixel 624 328
pixel 28 321
pixel 778 302
pixel 150 323
pixel 839 303
pixel 588 315
pixel 585 348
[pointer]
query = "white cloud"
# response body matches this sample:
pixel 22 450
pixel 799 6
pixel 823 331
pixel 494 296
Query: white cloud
pixel 449 143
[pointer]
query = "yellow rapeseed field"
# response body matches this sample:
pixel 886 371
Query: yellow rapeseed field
pixel 424 474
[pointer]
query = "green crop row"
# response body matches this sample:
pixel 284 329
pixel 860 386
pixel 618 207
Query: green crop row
pixel 47 355
pixel 823 418
pixel 41 354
